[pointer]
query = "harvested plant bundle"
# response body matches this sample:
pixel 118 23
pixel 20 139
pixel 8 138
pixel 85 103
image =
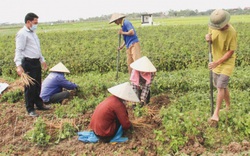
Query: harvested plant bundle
pixel 140 122
pixel 59 123
pixel 27 80
pixel 151 111
pixel 54 126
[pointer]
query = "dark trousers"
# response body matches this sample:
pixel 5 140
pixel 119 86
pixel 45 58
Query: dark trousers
pixel 58 97
pixel 148 96
pixel 32 93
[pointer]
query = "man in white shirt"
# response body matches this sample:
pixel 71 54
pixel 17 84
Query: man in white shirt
pixel 28 59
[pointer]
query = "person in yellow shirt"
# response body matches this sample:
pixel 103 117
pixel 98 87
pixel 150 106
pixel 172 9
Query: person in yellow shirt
pixel 222 36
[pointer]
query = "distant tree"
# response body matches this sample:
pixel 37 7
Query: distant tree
pixel 172 13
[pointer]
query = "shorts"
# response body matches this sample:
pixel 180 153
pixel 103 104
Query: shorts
pixel 220 80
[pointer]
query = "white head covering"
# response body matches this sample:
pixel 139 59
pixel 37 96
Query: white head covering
pixel 115 16
pixel 143 64
pixel 124 91
pixel 59 68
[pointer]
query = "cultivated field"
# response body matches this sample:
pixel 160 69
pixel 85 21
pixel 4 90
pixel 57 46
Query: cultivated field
pixel 175 121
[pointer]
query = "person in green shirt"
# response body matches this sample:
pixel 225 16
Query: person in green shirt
pixel 222 36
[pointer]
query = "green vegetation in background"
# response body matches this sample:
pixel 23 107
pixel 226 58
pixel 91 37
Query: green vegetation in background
pixel 39 134
pixel 200 20
pixel 170 47
pixel 99 25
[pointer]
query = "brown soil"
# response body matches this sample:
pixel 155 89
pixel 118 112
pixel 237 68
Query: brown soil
pixel 15 123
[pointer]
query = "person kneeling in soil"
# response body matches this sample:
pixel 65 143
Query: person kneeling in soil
pixel 54 83
pixel 141 78
pixel 111 113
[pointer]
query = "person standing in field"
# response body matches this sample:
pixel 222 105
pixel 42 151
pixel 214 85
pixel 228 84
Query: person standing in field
pixel 222 36
pixel 130 38
pixel 28 59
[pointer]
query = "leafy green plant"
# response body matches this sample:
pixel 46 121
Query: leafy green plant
pixel 12 96
pixel 39 133
pixel 140 111
pixel 67 131
pixel 77 106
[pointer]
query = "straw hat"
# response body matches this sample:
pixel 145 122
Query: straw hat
pixel 143 64
pixel 115 16
pixel 219 19
pixel 59 68
pixel 124 91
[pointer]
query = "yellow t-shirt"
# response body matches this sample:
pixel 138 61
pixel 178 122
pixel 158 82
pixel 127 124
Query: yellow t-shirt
pixel 222 42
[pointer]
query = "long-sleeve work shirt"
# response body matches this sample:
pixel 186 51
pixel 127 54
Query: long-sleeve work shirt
pixel 27 45
pixel 54 83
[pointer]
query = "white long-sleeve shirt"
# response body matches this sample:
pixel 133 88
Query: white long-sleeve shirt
pixel 27 45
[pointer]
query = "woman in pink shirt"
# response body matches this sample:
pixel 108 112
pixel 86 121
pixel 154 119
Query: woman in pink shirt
pixel 141 78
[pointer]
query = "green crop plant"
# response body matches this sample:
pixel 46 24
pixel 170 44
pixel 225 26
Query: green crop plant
pixel 38 134
pixel 168 51
pixel 77 106
pixel 187 118
pixel 12 96
pixel 139 111
pixel 67 131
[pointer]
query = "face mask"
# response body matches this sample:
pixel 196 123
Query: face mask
pixel 33 27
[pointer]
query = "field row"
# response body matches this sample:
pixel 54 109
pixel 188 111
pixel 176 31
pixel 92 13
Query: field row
pixel 170 48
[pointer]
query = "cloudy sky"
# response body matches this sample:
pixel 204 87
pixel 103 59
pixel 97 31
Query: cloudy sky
pixel 13 11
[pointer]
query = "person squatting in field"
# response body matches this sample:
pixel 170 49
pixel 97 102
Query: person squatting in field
pixel 130 38
pixel 222 35
pixel 28 59
pixel 111 113
pixel 141 78
pixel 54 83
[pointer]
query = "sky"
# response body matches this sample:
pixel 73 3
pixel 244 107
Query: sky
pixel 14 11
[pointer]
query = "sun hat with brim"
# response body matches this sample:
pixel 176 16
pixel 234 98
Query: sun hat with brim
pixel 219 18
pixel 143 64
pixel 124 91
pixel 59 68
pixel 115 17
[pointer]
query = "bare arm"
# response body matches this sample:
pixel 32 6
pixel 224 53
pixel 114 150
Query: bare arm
pixel 129 33
pixel 225 57
pixel 122 46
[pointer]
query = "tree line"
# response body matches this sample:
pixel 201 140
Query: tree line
pixel 174 13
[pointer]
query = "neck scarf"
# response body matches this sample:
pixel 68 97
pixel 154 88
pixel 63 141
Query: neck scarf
pixel 135 77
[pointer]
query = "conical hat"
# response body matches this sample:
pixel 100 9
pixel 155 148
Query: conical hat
pixel 59 68
pixel 143 64
pixel 115 16
pixel 124 91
